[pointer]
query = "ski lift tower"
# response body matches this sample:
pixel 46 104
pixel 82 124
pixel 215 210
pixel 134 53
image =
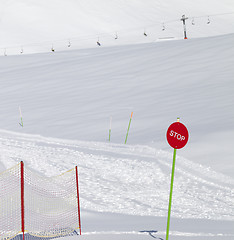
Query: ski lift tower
pixel 183 19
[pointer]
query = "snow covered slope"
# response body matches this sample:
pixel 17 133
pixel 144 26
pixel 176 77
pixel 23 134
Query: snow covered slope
pixel 37 25
pixel 124 188
pixel 72 95
pixel 67 99
pixel 117 178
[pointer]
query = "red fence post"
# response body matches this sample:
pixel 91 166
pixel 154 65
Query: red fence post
pixel 22 196
pixel 78 198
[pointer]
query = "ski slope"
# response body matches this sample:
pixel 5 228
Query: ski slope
pixel 124 188
pixel 67 98
pixel 72 95
pixel 117 178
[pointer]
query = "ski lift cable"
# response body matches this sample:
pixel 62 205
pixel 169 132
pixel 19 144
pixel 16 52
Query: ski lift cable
pixel 78 38
pixel 103 34
pixel 211 15
pixel 89 37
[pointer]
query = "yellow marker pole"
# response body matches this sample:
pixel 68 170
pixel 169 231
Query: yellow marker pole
pixel 128 128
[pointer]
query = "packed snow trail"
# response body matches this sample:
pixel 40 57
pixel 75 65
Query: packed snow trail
pixel 127 179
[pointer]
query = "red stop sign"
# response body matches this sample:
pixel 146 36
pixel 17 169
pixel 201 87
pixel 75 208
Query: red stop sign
pixel 177 135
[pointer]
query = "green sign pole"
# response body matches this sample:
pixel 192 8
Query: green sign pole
pixel 171 190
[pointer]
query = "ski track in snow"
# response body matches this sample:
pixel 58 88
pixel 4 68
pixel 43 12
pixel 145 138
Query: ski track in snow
pixel 128 179
pixel 155 233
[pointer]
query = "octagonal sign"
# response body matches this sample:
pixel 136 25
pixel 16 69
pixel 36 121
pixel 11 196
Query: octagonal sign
pixel 177 135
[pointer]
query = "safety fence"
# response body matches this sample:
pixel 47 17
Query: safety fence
pixel 38 206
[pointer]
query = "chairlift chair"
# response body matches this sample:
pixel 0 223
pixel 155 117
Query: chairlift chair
pixel 193 22
pixel 98 43
pixel 69 43
pixel 116 36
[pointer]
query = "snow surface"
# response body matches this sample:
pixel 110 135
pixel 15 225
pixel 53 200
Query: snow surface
pixel 67 99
